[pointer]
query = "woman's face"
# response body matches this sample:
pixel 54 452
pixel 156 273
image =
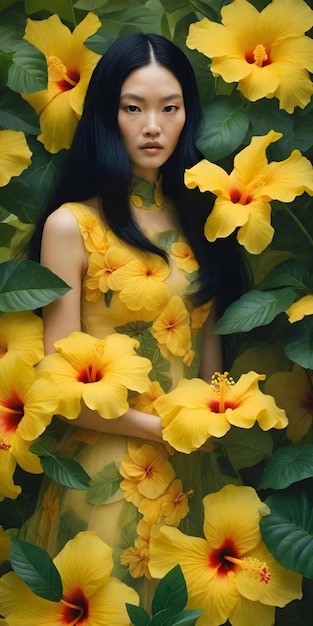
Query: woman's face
pixel 151 117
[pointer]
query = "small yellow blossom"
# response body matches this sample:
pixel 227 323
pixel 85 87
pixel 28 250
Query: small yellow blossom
pixel 146 472
pixel 137 556
pixel 197 410
pixel 15 155
pixel 267 53
pixel 185 258
pixel 70 65
pixel 172 327
pixel 174 505
pixel 229 573
pixel 93 232
pixel 299 309
pixel 244 195
pixel 145 401
pixel 101 269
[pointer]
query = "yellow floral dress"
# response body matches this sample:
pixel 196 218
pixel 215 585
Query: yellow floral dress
pixel 135 485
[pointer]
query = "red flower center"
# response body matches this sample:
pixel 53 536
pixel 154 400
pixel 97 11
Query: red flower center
pixel 90 374
pixel 75 608
pixel 11 413
pixel 259 56
pixel 218 557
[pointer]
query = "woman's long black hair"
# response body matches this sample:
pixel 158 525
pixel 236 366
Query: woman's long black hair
pixel 98 165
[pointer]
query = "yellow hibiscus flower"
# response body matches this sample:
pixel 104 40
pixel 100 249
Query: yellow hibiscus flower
pixel 230 574
pixel 70 65
pixel 300 308
pixel 90 595
pixel 99 371
pixel 243 196
pixel 140 282
pixel 27 405
pixel 172 327
pixel 22 333
pixel 185 258
pixel 267 53
pixel 174 505
pixel 93 232
pixel 15 155
pixel 197 410
pixel 293 391
pixel 146 472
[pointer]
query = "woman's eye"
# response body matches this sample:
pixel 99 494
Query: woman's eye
pixel 132 108
pixel 170 108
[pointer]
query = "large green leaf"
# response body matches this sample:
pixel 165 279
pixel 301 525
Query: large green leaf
pixel 37 569
pixel 288 465
pixel 104 37
pixel 5 64
pixel 25 285
pixel 253 309
pixel 298 342
pixel 171 592
pixel 63 8
pixel 288 530
pixel 105 485
pixel 28 73
pixel 185 618
pixel 291 273
pixel 246 448
pixel 223 129
pixel 17 114
pixel 62 470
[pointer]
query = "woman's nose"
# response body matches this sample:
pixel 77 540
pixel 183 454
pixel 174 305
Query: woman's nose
pixel 151 125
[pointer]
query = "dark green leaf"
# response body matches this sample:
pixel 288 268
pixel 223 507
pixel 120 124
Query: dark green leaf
pixel 17 114
pixel 298 342
pixel 171 592
pixel 246 448
pixel 105 485
pixel 185 618
pixel 28 73
pixel 288 531
pixel 291 273
pixel 223 128
pixel 37 570
pixel 5 64
pixel 253 309
pixel 288 465
pixel 62 470
pixel 63 8
pixel 26 285
pixel 137 615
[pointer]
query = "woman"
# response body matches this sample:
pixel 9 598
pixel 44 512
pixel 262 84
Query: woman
pixel 124 176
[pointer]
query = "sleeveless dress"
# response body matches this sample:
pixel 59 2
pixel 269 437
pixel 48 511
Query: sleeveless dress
pixel 135 485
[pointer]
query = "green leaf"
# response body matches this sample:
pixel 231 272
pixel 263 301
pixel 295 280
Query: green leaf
pixel 298 342
pixel 288 530
pixel 62 470
pixel 246 448
pixel 223 129
pixel 63 8
pixel 37 570
pixel 28 73
pixel 288 465
pixel 105 485
pixel 185 618
pixel 26 285
pixel 104 37
pixel 171 592
pixel 290 273
pixel 137 615
pixel 5 64
pixel 17 114
pixel 253 309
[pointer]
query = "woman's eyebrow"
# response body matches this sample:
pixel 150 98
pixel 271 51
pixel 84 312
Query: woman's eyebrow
pixel 132 96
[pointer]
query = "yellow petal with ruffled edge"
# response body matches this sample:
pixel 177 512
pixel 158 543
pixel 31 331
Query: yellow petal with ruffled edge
pixel 298 310
pixel 15 156
pixel 21 332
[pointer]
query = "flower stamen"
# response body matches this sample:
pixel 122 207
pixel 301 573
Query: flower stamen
pixel 221 383
pixel 260 56
pixel 253 567
pixel 57 66
pixel 70 608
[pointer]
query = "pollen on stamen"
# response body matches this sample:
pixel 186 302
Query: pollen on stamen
pixel 59 69
pixel 256 569
pixel 219 379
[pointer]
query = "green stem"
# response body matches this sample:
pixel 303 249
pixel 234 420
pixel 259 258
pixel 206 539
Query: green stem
pixel 299 224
